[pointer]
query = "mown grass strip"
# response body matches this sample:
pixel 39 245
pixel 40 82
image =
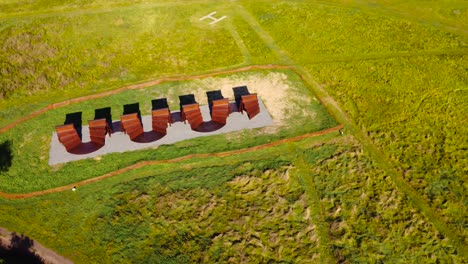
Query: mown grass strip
pixel 240 43
pixel 385 56
pixel 317 212
pixel 174 160
pixel 269 41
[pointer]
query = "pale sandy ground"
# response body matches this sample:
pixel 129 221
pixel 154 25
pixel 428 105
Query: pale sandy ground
pixel 278 94
pixel 274 89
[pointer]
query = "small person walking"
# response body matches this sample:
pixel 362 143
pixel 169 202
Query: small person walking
pixel 74 188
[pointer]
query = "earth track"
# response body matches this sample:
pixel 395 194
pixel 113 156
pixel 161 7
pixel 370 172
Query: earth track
pixel 138 165
pixel 141 86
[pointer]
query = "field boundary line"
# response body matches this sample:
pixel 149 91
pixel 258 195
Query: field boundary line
pixel 141 86
pixel 13 196
pixel 441 23
pixel 386 56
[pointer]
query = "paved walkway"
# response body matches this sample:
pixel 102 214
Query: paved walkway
pixel 120 142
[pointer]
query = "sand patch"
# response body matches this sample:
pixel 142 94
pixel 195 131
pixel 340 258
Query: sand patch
pixel 276 91
pixel 283 99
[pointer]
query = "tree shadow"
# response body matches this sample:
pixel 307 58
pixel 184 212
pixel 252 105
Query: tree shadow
pixel 6 155
pixel 19 250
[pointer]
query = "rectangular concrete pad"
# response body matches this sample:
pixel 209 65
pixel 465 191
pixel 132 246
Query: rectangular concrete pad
pixel 119 142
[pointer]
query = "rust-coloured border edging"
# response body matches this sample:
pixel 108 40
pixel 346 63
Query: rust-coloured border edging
pixel 138 165
pixel 140 86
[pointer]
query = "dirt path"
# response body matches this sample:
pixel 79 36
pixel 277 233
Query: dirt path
pixel 13 196
pixel 140 86
pixel 11 241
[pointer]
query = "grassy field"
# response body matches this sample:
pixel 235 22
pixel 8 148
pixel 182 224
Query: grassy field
pixel 392 189
pixel 83 53
pixel 246 208
pixel 429 152
pixel 402 90
pixel 30 170
pixel 333 33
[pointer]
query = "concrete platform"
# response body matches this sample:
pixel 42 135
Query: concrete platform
pixel 120 142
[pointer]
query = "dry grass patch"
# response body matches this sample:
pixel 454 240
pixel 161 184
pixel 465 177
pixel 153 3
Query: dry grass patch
pixel 262 216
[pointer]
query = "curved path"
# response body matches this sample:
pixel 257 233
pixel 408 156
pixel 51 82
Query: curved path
pixel 12 196
pixel 141 86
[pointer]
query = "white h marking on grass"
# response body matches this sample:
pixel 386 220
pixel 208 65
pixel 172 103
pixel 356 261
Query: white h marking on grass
pixel 210 16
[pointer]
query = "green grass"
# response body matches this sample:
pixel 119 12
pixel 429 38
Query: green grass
pixel 403 84
pixel 368 219
pixel 447 13
pixel 253 203
pixel 397 70
pixel 259 52
pixel 128 220
pixel 327 32
pixel 83 53
pixel 43 7
pixel 31 140
pixel 415 113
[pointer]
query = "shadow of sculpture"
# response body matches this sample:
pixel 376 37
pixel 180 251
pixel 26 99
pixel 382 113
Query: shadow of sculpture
pixel 76 120
pixel 132 108
pixel 176 116
pixel 208 126
pixel 148 136
pixel 85 148
pixel 104 113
